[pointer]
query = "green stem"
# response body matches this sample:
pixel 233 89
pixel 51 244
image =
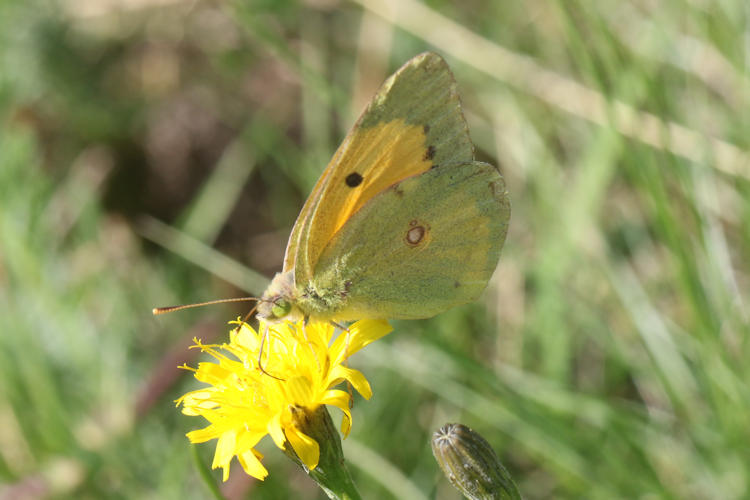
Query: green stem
pixel 331 473
pixel 205 474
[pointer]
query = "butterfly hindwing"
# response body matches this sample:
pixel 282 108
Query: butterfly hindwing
pixel 413 123
pixel 428 243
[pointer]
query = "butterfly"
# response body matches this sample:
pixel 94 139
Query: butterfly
pixel 403 223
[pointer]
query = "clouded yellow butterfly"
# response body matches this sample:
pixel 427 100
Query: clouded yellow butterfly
pixel 403 223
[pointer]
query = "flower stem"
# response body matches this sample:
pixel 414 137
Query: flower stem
pixel 205 474
pixel 331 473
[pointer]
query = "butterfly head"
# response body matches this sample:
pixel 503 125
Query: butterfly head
pixel 277 303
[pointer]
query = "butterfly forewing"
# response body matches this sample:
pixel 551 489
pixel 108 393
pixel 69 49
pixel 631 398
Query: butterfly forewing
pixel 413 123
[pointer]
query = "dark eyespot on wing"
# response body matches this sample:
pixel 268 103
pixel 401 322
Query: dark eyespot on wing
pixel 429 154
pixel 353 180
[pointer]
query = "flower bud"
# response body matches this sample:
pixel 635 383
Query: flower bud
pixel 471 465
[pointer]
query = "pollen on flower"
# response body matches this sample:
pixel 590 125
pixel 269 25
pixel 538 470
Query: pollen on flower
pixel 300 366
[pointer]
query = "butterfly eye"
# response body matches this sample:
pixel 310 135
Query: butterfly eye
pixel 281 308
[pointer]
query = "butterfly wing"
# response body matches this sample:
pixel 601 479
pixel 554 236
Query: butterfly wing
pixel 413 123
pixel 428 243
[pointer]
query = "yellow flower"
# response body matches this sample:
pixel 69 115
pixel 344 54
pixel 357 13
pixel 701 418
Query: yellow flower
pixel 302 364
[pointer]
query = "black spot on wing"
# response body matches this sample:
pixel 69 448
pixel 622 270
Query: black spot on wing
pixel 429 154
pixel 353 179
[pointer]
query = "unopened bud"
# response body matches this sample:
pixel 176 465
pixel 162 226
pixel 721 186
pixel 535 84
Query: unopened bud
pixel 471 465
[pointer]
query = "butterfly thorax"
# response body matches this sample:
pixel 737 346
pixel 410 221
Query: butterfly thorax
pixel 284 300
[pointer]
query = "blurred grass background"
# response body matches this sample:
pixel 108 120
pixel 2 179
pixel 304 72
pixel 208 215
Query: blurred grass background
pixel 156 152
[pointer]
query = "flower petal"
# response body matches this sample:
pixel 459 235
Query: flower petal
pixel 224 452
pixel 360 334
pixel 299 391
pixel 276 431
pixel 366 331
pixel 340 400
pixel 203 435
pixel 354 377
pixel 337 398
pixel 250 461
pixel 306 448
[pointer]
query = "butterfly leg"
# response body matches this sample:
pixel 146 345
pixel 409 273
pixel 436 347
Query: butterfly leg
pixel 340 327
pixel 307 340
pixel 260 355
pixel 346 359
pixel 250 313
pixel 348 333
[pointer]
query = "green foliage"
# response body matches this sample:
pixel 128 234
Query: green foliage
pixel 609 359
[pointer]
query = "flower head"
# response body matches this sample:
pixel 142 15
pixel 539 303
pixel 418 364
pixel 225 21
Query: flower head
pixel 300 364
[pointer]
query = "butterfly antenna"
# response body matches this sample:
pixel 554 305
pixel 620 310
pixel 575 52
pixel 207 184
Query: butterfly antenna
pixel 163 310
